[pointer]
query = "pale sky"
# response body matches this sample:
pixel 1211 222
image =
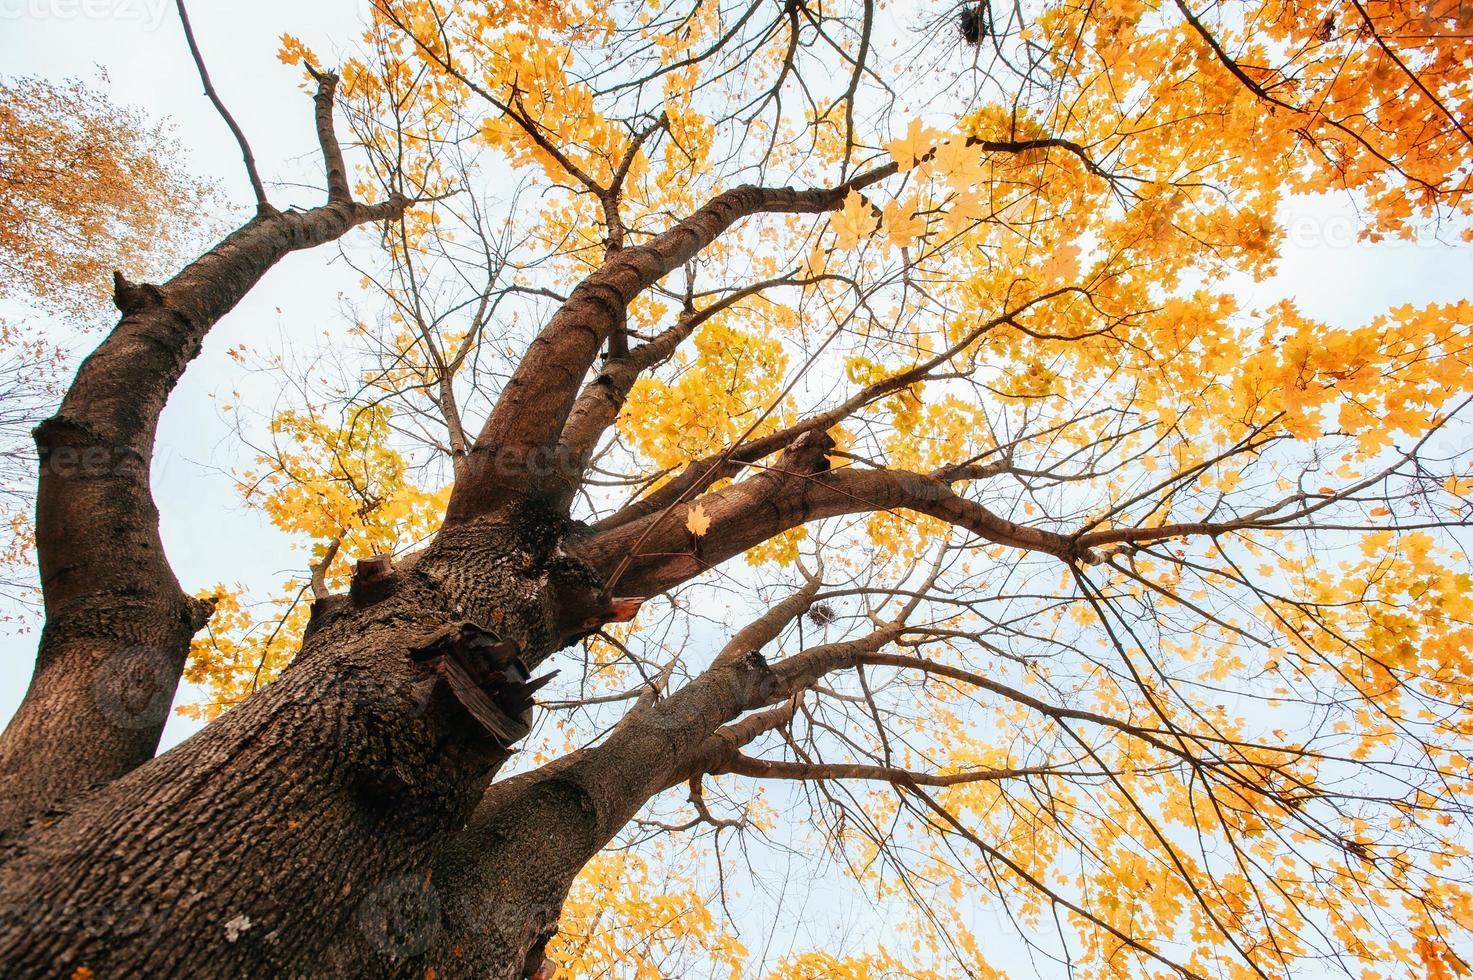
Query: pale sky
pixel 209 535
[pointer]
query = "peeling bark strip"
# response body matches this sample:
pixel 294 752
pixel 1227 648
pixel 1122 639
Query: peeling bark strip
pixel 486 676
pixel 117 624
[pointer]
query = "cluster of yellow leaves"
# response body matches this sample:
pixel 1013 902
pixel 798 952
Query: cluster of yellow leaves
pixel 638 916
pixel 342 482
pixel 875 966
pixel 1392 376
pixel 245 646
pixel 345 491
pixel 1399 626
pixel 628 918
pixel 712 399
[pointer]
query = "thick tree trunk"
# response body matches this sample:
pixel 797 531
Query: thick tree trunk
pixel 286 838
pixel 339 823
pixel 504 880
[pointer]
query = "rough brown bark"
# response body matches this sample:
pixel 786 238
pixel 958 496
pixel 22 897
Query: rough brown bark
pixel 337 823
pixel 291 836
pixel 277 839
pixel 117 624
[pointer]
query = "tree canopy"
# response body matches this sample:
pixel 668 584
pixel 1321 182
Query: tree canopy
pixel 885 368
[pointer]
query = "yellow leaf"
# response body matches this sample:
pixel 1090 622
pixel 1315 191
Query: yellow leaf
pixel 902 225
pixel 914 146
pixel 696 521
pixel 855 223
pixel 1062 266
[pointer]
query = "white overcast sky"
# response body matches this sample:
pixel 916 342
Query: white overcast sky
pixel 210 537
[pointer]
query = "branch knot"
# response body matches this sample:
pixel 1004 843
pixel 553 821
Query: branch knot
pixel 131 297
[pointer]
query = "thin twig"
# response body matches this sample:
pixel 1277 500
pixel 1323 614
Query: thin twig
pixel 245 147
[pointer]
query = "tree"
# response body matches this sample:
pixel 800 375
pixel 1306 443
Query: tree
pixel 88 186
pixel 1139 614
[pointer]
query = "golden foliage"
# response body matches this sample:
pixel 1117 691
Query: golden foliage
pixel 87 187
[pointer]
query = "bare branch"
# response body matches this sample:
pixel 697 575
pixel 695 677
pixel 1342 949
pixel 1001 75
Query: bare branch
pixel 745 765
pixel 332 152
pixel 262 204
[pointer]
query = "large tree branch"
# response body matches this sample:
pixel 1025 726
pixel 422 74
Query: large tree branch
pixel 332 153
pixel 729 463
pixel 745 765
pixel 654 551
pixel 561 815
pixel 657 552
pixel 598 406
pixel 117 624
pixel 582 800
pixel 516 450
